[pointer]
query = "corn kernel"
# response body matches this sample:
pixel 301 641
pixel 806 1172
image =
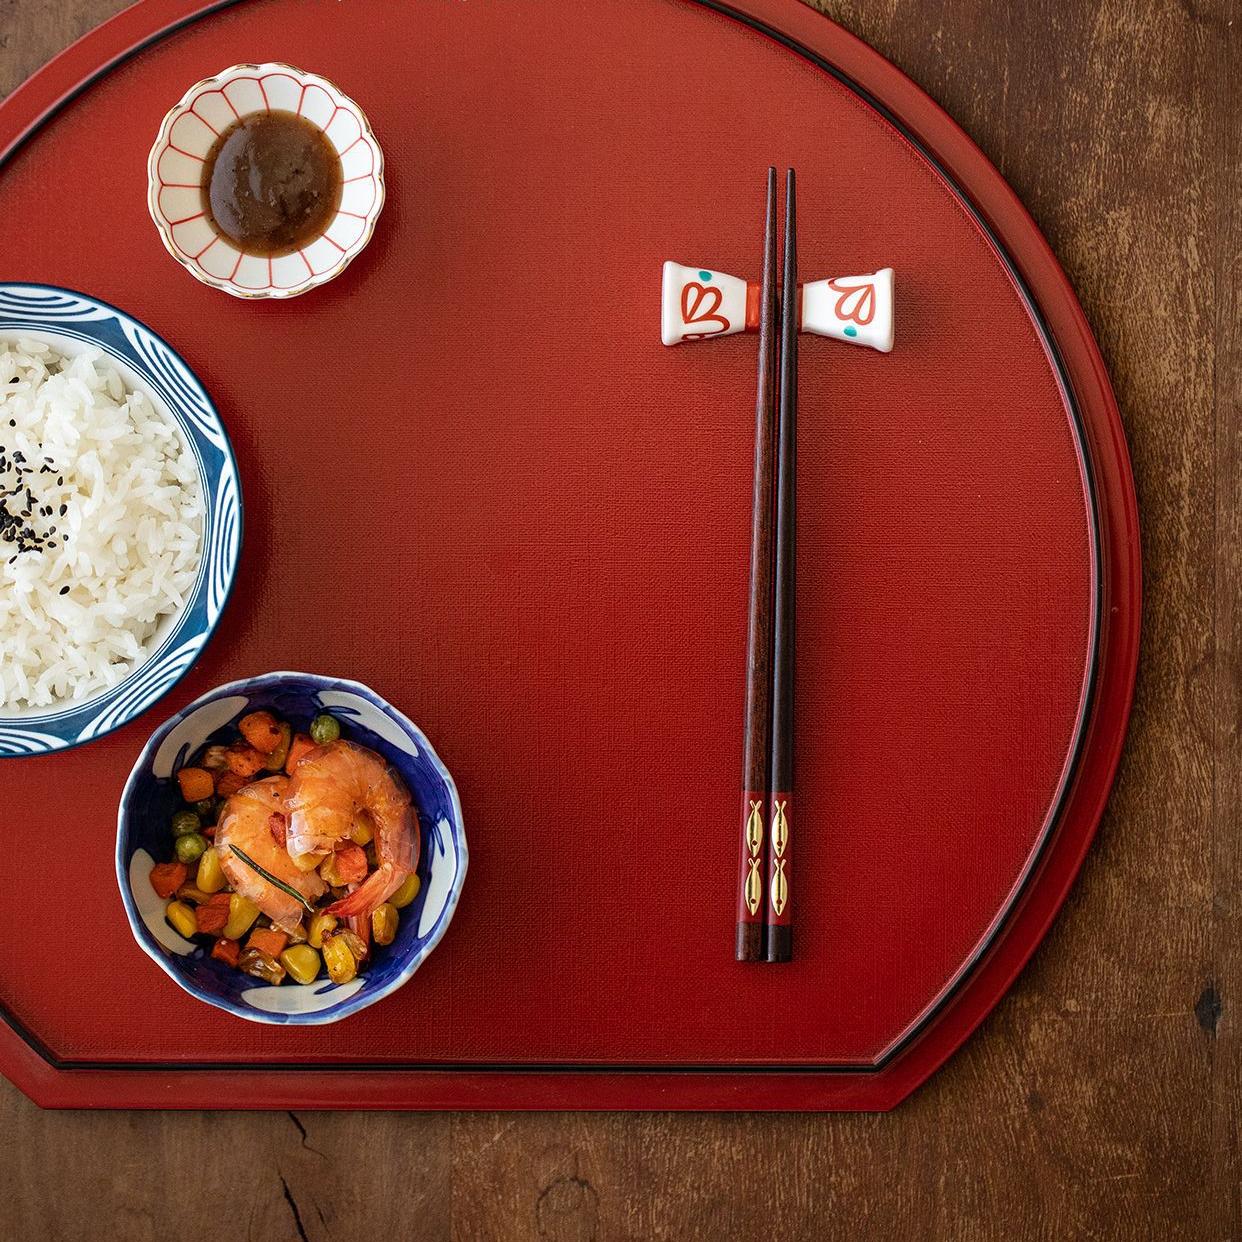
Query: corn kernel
pixel 341 963
pixel 384 920
pixel 210 877
pixel 181 917
pixel 242 913
pixel 407 892
pixel 302 963
pixel 354 943
pixel 362 831
pixel 320 926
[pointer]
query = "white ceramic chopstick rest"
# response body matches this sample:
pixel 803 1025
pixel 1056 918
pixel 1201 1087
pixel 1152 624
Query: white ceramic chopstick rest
pixel 698 303
pixel 851 308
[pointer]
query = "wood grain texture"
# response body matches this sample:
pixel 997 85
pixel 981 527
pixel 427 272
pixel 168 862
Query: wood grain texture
pixel 1101 1099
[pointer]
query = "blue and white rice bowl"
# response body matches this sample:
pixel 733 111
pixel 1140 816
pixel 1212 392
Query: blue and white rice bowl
pixel 72 323
pixel 144 838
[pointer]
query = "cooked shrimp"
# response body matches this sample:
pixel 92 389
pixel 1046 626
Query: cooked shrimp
pixel 245 821
pixel 331 789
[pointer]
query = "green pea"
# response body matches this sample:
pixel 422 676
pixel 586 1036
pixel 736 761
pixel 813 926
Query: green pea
pixel 190 847
pixel 324 729
pixel 185 821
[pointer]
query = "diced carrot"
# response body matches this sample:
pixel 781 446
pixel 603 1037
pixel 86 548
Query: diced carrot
pixel 299 748
pixel 244 759
pixel 228 784
pixel 166 878
pixel 271 941
pixel 278 826
pixel 196 784
pixel 213 914
pixel 226 951
pixel 351 864
pixel 261 730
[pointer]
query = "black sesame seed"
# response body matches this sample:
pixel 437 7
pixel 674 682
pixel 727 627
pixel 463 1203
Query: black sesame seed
pixel 63 510
pixel 64 590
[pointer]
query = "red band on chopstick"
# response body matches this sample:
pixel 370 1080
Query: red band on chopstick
pixel 752 881
pixel 753 835
pixel 753 295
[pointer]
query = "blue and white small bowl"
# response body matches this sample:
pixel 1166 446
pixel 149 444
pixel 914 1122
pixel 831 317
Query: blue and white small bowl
pixel 70 323
pixel 143 838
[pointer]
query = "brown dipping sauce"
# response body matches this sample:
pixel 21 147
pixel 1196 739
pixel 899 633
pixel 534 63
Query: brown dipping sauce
pixel 271 183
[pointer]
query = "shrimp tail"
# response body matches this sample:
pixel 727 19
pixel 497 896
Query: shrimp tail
pixel 371 893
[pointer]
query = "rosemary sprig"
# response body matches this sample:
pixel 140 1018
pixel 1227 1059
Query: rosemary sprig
pixel 271 879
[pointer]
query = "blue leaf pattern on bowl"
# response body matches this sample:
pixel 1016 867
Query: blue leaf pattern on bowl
pixel 150 907
pixel 26 742
pixel 44 311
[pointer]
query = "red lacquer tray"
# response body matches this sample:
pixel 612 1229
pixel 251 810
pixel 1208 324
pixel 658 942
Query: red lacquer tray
pixel 474 479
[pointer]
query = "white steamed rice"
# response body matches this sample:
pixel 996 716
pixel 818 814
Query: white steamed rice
pixel 114 475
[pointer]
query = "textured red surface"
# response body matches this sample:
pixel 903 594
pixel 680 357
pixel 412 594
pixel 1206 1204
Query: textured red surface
pixel 475 480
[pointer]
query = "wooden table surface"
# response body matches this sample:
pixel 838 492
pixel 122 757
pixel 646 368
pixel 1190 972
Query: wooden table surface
pixel 1102 1097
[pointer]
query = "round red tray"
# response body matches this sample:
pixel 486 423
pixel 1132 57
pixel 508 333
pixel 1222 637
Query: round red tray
pixel 474 479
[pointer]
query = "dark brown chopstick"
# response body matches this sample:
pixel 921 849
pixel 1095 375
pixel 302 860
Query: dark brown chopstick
pixel 756 736
pixel 779 932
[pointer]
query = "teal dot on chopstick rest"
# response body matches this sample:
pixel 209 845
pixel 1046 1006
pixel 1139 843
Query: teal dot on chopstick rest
pixel 705 275
pixel 850 330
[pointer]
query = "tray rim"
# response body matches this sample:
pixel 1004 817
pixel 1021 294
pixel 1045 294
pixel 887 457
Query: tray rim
pixel 1091 767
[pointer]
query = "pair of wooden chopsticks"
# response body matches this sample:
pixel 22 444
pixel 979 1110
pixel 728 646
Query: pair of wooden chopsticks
pixel 764 926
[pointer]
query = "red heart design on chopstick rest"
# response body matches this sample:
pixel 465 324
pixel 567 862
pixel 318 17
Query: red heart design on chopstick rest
pixel 857 302
pixel 698 312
